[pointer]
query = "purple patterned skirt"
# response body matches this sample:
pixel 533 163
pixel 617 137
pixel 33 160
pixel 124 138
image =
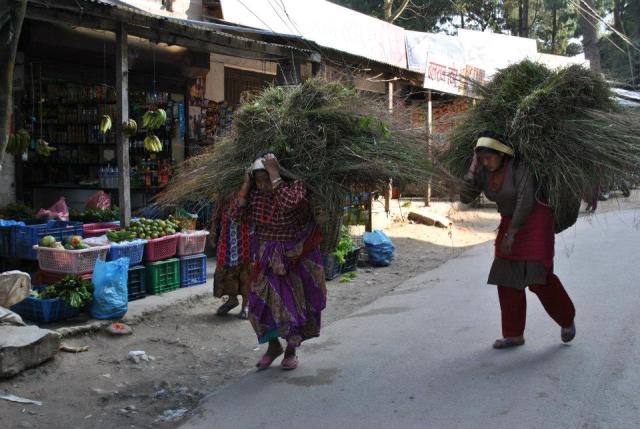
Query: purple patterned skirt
pixel 287 289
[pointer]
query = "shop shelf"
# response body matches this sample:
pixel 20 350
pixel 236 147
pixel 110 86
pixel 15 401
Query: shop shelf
pixel 70 261
pixel 26 237
pixel 136 285
pixel 134 250
pixel 163 276
pixel 161 248
pixel 191 242
pixel 193 270
pixel 44 310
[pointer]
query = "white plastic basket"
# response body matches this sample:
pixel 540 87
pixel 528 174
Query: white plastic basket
pixel 191 242
pixel 70 261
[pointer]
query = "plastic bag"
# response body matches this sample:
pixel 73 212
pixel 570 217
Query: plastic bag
pixel 58 211
pixel 110 296
pixel 99 200
pixel 380 248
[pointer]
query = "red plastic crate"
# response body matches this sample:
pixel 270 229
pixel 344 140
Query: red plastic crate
pixel 161 248
pixel 70 261
pixel 191 242
pixel 100 228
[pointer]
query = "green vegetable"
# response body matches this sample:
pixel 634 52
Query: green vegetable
pixel 347 277
pixel 72 289
pixel 345 245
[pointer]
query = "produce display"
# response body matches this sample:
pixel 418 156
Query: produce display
pixel 145 229
pixel 72 242
pixel 152 120
pixel 72 289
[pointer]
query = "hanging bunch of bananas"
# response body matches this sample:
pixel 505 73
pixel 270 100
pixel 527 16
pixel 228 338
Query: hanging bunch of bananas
pixel 154 119
pixel 130 127
pixel 43 148
pixel 152 143
pixel 18 142
pixel 105 124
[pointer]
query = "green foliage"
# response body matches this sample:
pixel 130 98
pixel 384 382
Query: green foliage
pixel 345 245
pixel 17 211
pixel 347 277
pixel 95 215
pixel 72 289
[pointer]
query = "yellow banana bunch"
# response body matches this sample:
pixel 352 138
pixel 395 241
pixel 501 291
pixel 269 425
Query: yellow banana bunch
pixel 154 119
pixel 105 124
pixel 152 143
pixel 130 127
pixel 43 148
pixel 18 142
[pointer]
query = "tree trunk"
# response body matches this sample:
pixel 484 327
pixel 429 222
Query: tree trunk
pixel 635 13
pixel 391 15
pixel 11 18
pixel 617 15
pixel 588 23
pixel 523 18
pixel 554 30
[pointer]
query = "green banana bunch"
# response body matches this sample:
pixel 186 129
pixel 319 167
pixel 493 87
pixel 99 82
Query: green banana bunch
pixel 43 148
pixel 154 119
pixel 105 124
pixel 18 142
pixel 152 143
pixel 130 127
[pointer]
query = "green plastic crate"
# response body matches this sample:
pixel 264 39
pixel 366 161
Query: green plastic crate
pixel 163 276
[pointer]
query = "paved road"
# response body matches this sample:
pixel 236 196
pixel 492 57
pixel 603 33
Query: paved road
pixel 421 357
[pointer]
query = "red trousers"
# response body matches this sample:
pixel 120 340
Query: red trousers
pixel 554 299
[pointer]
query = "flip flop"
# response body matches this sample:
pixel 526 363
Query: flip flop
pixel 244 313
pixel 266 360
pixel 508 342
pixel 289 363
pixel 226 307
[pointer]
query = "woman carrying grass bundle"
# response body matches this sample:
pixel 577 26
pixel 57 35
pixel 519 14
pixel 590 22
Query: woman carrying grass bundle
pixel 233 243
pixel 287 286
pixel 524 246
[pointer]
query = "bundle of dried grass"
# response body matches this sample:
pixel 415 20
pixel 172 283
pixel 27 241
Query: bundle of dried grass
pixel 329 135
pixel 564 124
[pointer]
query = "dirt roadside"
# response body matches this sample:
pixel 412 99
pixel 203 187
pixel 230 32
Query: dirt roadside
pixel 191 351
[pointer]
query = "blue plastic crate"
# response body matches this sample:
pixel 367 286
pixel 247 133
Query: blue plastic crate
pixel 193 270
pixel 136 286
pixel 7 241
pixel 25 237
pixel 134 250
pixel 44 310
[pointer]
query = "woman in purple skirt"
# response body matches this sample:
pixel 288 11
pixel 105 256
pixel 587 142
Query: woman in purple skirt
pixel 287 290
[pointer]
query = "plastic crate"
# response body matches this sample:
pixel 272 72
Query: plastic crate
pixel 163 276
pixel 332 268
pixel 136 285
pixel 193 270
pixel 158 249
pixel 98 229
pixel 25 237
pixel 45 310
pixel 48 278
pixel 191 242
pixel 134 250
pixel 7 239
pixel 70 261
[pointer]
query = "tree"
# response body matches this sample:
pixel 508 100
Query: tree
pixel 12 14
pixel 588 20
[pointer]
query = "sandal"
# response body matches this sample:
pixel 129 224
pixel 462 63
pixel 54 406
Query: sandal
pixel 267 359
pixel 508 342
pixel 244 313
pixel 226 307
pixel 290 362
pixel 567 334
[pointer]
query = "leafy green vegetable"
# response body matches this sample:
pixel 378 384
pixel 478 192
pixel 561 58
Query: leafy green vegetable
pixel 345 245
pixel 72 289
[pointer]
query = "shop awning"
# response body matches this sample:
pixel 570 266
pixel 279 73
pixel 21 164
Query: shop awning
pixel 325 24
pixel 196 35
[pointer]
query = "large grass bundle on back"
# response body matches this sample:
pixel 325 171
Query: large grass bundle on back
pixel 329 135
pixel 564 124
